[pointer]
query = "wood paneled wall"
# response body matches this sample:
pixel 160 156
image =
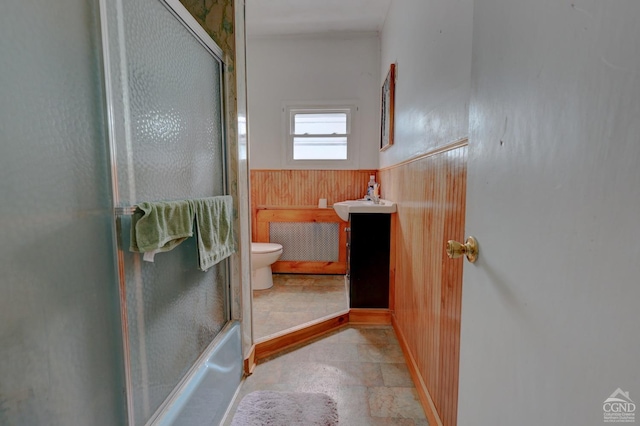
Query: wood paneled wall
pixel 303 188
pixel 430 192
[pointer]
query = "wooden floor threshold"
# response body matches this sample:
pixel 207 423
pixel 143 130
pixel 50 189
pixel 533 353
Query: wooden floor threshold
pixel 250 361
pixel 314 329
pixel 297 335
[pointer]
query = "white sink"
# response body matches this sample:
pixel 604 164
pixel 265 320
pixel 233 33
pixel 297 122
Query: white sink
pixel 343 208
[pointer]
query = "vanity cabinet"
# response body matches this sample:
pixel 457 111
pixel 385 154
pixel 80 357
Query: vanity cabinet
pixel 368 245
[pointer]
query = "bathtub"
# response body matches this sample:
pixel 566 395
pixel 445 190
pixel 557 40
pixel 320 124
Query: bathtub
pixel 206 392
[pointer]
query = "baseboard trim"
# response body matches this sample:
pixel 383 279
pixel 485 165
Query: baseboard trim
pixel 369 316
pixel 423 393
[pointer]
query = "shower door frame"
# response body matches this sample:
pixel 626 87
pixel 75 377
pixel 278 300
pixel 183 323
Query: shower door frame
pixel 196 30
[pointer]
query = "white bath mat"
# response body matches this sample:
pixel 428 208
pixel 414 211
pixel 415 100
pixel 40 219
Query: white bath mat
pixel 262 408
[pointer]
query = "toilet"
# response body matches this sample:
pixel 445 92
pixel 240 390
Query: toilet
pixel 263 255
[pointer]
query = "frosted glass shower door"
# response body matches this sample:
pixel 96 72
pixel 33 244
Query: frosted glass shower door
pixel 165 94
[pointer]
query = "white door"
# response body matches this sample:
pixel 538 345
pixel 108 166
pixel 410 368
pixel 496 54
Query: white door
pixel 550 322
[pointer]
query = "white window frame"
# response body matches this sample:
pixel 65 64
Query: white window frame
pixel 289 110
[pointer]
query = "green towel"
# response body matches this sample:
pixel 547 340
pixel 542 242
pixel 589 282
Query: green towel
pixel 160 226
pixel 214 229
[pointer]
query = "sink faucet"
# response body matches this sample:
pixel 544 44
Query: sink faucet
pixel 372 197
pixel 373 194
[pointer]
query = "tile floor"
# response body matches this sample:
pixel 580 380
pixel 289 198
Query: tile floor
pixel 296 299
pixel 361 367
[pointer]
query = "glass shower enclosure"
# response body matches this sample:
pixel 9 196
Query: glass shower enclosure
pixel 165 104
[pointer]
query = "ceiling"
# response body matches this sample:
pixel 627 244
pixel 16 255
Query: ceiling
pixel 287 17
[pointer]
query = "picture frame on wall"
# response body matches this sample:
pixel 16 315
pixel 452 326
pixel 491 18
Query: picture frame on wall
pixel 387 105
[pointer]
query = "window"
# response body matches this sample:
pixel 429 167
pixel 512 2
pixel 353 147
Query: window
pixel 319 134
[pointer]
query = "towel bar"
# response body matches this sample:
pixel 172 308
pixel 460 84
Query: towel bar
pixel 125 211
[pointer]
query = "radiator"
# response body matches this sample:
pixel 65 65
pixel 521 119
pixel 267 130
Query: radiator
pixel 306 241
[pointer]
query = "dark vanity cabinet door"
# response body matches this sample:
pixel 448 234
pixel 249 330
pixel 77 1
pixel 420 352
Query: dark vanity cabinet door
pixel 368 260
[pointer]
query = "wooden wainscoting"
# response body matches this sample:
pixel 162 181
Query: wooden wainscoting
pixel 303 188
pixel 430 192
pixel 266 216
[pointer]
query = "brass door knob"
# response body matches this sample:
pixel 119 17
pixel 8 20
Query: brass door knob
pixel 469 248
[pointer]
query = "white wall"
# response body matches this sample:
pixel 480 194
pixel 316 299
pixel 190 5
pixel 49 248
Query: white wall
pixel 305 68
pixel 551 310
pixel 430 40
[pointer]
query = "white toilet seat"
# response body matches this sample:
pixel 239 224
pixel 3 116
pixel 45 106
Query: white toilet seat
pixel 263 248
